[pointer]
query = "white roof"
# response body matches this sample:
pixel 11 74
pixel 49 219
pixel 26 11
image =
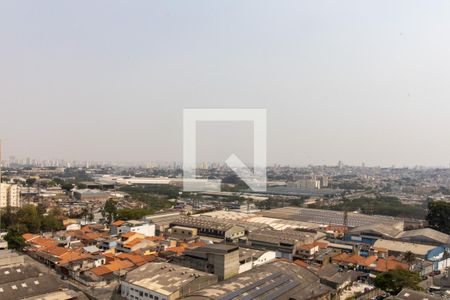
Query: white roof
pixel 402 247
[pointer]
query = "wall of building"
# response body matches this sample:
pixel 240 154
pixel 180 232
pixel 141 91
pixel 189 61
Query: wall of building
pixel 183 232
pixel 9 195
pixel 132 292
pixel 146 229
pixel 225 265
pixel 265 258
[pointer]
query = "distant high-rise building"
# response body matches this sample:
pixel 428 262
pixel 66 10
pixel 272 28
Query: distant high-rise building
pixel 9 195
pixel 307 183
pixel 323 181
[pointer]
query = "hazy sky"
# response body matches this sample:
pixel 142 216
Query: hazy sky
pixel 357 81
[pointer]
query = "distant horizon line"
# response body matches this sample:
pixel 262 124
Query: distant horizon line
pixel 166 163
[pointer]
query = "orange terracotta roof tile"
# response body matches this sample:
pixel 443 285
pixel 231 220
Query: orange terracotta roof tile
pixel 118 223
pixel 154 238
pixel 108 255
pixel 341 257
pixel 43 242
pixel 133 242
pixel 119 264
pixel 91 236
pixel 384 265
pixel 307 246
pixel 100 271
pixel 28 236
pixel 301 263
pixel 355 259
pixel 57 251
pixel 129 234
pixel 73 255
pixel 370 260
pixel 178 250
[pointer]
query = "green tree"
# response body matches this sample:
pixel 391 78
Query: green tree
pixel 409 257
pixel 58 181
pixel 28 216
pixel 31 181
pixel 14 237
pixel 7 217
pixel 110 210
pixel 395 280
pixel 67 186
pixel 439 215
pixel 53 221
pixel 41 209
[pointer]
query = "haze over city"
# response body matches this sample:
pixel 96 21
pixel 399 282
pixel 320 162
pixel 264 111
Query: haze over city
pixel 341 81
pixel 224 150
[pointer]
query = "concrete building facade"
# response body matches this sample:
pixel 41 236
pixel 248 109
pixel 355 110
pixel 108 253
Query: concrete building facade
pixel 218 259
pixel 9 195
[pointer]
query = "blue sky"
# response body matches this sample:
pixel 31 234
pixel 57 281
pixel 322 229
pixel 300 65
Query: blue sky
pixel 357 81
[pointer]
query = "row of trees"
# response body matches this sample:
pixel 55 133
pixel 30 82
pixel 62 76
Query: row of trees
pixel 29 218
pixel 111 212
pixel 439 215
pixel 380 205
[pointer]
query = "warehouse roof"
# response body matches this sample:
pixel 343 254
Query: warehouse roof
pixel 205 223
pixel 402 247
pixel 28 287
pixel 408 294
pixel 426 233
pixel 164 278
pixel 327 217
pixel 387 231
pixel 17 273
pixel 287 236
pixel 277 280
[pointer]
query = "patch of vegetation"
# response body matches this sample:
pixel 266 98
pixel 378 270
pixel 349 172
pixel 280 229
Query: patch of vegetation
pixel 233 183
pixel 439 215
pixel 154 197
pixel 382 205
pixel 395 280
pixel 29 219
pixel 134 213
pixel 169 191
